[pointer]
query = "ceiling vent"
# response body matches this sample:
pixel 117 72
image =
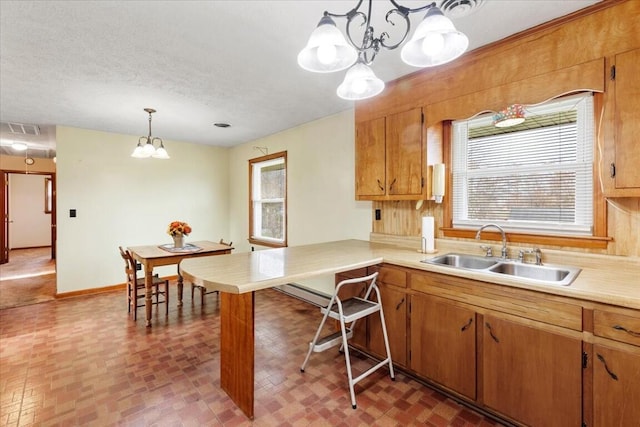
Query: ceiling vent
pixel 459 8
pixel 22 129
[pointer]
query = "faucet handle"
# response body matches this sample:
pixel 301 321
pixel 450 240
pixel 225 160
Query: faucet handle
pixel 488 250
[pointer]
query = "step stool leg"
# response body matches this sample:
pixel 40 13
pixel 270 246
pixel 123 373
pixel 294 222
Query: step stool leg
pixel 347 360
pixel 315 339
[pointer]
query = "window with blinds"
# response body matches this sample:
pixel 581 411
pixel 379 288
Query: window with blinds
pixel 536 177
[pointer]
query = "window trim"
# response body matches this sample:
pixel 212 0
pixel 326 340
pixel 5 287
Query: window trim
pixel 262 241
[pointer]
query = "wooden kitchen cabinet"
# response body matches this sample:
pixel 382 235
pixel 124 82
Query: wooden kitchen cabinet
pixel 616 366
pixel 370 159
pixel 390 157
pixel 623 172
pixel 443 343
pixel 530 374
pixel 394 305
pixel 616 386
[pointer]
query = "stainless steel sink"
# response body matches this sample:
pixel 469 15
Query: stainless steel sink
pixel 463 261
pixel 547 274
pixel 559 275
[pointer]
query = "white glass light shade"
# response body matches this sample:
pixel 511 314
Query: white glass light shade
pixel 360 83
pixel 505 123
pixel 148 149
pixel 327 50
pixel 138 153
pixel 161 153
pixel 19 146
pixel 436 41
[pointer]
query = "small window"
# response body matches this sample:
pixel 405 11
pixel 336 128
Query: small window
pixel 536 177
pixel 268 200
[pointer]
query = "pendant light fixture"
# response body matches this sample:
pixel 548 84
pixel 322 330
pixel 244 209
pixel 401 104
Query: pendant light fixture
pixel 146 147
pixel 435 42
pixel 511 116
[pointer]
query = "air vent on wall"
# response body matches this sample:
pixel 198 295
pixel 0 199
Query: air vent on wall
pixel 459 8
pixel 22 129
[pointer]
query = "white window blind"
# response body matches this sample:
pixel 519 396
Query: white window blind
pixel 536 177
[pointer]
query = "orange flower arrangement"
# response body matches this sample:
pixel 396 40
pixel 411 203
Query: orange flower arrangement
pixel 178 228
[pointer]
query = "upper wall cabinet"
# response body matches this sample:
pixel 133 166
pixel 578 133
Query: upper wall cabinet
pixel 622 176
pixel 390 157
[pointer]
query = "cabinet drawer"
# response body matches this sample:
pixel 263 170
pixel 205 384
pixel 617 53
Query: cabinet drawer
pixel 617 326
pixel 532 305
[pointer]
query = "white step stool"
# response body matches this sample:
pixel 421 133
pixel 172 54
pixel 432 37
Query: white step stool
pixel 349 311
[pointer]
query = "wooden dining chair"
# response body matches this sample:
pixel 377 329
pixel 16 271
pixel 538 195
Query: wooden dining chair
pixel 136 287
pixel 202 289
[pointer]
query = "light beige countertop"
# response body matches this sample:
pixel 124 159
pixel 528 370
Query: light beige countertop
pixel 603 279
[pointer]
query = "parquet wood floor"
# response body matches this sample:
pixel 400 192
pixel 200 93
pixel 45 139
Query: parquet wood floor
pixel 84 362
pixel 28 278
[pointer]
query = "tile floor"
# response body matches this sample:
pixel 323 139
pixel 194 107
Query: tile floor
pixel 83 361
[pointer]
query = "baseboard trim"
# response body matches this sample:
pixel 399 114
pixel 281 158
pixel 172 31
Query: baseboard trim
pixel 112 288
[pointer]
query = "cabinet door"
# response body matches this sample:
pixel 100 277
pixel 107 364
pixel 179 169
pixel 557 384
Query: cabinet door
pixel 443 343
pixel 394 305
pixel 627 125
pixel 616 387
pixel 370 158
pixel 404 153
pixel 531 375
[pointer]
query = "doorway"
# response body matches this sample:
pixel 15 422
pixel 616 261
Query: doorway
pixel 28 272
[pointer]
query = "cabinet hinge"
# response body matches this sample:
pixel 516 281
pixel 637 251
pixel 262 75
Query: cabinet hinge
pixel 585 359
pixel 584 424
pixel 422 182
pixel 612 73
pixel 612 170
pixel 422 117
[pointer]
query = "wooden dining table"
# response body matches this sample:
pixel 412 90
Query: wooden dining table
pixel 151 256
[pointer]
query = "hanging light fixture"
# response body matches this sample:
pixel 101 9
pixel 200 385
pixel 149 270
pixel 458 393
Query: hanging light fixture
pixel 146 147
pixel 435 42
pixel 510 116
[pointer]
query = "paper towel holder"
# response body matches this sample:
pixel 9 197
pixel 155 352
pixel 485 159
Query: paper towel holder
pixel 423 247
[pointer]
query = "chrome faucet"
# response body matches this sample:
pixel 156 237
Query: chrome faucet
pixel 504 238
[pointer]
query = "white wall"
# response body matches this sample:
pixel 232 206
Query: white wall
pixel 30 227
pixel 320 183
pixel 125 201
pixel 320 186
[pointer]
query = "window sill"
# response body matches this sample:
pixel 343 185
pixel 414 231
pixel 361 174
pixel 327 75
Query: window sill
pixel 593 242
pixel 267 243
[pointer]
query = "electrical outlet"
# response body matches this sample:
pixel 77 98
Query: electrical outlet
pixel 378 215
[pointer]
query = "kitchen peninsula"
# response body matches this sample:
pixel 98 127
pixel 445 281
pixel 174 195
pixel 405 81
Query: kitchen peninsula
pixel 239 275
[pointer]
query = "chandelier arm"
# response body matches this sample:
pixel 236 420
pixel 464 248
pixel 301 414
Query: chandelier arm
pixel 352 12
pixel 406 10
pixel 385 35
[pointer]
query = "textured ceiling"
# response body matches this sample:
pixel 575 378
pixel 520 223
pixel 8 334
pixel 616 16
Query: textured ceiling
pixel 98 64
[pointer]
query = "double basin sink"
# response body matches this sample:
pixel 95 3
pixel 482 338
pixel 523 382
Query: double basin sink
pixel 547 274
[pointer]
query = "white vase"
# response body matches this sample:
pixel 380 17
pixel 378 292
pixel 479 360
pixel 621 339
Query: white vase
pixel 178 241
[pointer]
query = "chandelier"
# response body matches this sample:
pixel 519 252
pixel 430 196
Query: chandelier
pixel 435 41
pixel 146 147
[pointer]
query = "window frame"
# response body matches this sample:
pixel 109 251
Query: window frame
pixel 598 239
pixel 262 241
